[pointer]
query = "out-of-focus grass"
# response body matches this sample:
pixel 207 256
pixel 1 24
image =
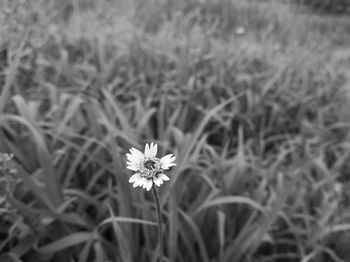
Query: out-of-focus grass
pixel 258 120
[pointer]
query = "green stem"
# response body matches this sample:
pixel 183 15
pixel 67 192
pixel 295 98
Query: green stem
pixel 156 199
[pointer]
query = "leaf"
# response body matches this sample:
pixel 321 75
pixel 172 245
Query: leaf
pixel 49 175
pixel 337 228
pixel 221 230
pixel 173 225
pixel 24 246
pixel 231 200
pixel 197 235
pixel 120 115
pixel 100 255
pixel 123 243
pixel 184 156
pixel 127 220
pixel 70 112
pixel 65 242
pixel 9 257
pixel 84 254
pixel 10 78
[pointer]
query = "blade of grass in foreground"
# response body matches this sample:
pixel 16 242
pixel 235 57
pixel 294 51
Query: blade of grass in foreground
pixel 197 235
pixel 65 242
pixel 184 156
pixel 231 200
pixel 221 232
pixel 37 190
pixel 84 254
pixel 252 234
pixel 123 243
pixel 119 115
pixel 173 225
pixel 45 160
pixel 127 220
pixel 11 75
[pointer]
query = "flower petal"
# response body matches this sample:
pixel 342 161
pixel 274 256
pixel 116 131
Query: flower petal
pixel 135 158
pixel 166 161
pixel 133 164
pixel 144 185
pixel 164 177
pixel 138 165
pixel 135 155
pixel 158 181
pixel 153 149
pixel 149 184
pixel 133 168
pixel 146 150
pixel 140 182
pixel 134 178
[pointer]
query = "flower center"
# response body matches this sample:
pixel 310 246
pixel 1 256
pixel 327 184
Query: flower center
pixel 150 167
pixel 149 164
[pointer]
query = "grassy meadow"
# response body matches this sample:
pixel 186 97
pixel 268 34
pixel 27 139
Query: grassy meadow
pixel 252 97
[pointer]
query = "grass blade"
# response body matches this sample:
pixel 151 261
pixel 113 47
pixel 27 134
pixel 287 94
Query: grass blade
pixel 65 242
pixel 230 200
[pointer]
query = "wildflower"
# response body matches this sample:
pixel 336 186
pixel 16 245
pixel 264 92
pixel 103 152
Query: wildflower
pixel 149 169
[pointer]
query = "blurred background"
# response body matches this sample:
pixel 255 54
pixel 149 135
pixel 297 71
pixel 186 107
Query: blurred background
pixel 252 97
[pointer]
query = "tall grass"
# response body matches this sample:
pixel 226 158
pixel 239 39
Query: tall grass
pixel 258 122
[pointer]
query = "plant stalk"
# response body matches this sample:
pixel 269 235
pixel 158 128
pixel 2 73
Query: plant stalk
pixel 156 199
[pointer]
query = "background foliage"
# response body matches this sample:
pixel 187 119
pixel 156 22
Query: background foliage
pixel 340 7
pixel 251 97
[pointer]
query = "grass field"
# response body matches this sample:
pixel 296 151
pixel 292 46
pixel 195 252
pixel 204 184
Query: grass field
pixel 252 97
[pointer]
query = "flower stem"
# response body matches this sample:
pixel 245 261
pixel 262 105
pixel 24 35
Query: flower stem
pixel 156 199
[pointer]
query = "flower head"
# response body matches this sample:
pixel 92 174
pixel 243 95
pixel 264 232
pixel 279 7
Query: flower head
pixel 149 169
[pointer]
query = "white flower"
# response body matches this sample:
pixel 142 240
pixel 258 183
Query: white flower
pixel 149 169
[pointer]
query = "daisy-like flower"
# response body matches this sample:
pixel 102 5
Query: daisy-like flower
pixel 149 169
